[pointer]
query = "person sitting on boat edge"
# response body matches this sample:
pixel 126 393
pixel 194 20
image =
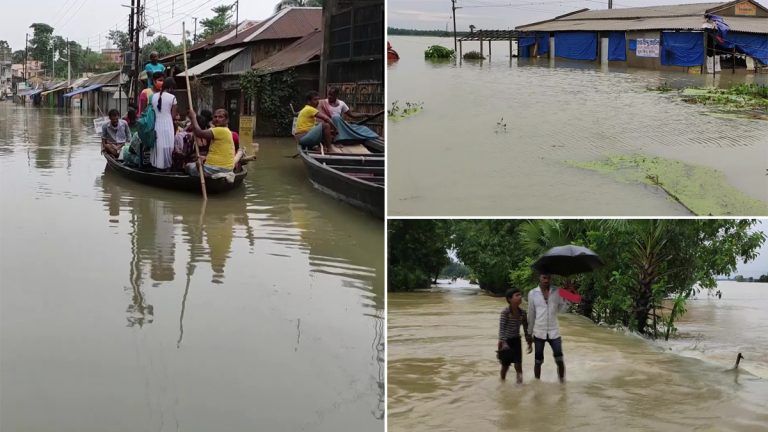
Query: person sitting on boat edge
pixel 334 106
pixel 308 133
pixel 221 151
pixel 152 67
pixel 114 134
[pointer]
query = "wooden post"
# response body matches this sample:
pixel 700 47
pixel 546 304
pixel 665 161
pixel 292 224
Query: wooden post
pixel 481 46
pixel 733 60
pixel 460 50
pixel 510 48
pixel 489 49
pixel 189 100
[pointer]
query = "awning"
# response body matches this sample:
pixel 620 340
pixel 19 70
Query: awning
pixel 210 63
pixel 83 90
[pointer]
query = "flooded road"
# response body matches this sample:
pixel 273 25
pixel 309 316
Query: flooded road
pixel 443 374
pixel 125 307
pixel 496 138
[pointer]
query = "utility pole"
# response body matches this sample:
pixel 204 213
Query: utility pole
pixel 69 65
pixel 137 29
pixel 26 57
pixel 53 61
pixel 194 38
pixel 610 4
pixel 237 16
pixel 453 8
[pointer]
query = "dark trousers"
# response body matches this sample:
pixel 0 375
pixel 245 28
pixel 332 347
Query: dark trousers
pixel 557 349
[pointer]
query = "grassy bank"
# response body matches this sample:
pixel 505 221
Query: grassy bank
pixel 703 191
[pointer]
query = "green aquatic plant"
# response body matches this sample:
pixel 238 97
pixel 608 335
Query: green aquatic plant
pixel 438 52
pixel 399 112
pixel 702 190
pixel 664 88
pixel 473 55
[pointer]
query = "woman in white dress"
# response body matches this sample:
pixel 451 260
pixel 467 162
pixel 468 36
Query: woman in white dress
pixel 164 104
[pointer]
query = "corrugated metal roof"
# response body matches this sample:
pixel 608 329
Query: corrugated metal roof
pixel 294 22
pixel 298 53
pixel 211 62
pixel 646 12
pixel 105 78
pixel 676 23
pixel 674 17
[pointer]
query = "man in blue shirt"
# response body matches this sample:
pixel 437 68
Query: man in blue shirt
pixel 152 67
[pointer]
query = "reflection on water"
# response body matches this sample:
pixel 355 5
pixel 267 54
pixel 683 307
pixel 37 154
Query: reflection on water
pixel 443 375
pixel 554 112
pixel 136 308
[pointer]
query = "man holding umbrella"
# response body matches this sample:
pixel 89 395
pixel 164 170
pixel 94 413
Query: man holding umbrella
pixel 545 302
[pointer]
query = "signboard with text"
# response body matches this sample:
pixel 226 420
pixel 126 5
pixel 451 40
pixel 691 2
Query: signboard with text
pixel 647 48
pixel 246 129
pixel 746 9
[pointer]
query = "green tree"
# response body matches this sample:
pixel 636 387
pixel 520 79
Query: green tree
pixel 271 93
pixel 491 248
pixel 18 56
pixel 162 45
pixel 417 253
pixel 120 39
pixel 297 3
pixel 40 44
pixel 219 22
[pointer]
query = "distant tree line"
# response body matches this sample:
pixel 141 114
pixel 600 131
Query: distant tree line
pixel 455 270
pixel 740 278
pixel 393 31
pixel 647 261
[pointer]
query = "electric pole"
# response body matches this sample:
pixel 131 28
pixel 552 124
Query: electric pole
pixel 453 7
pixel 53 60
pixel 26 56
pixel 137 30
pixel 194 37
pixel 237 16
pixel 69 65
pixel 610 4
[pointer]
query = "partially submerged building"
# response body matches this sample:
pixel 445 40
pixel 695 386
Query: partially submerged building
pixel 676 37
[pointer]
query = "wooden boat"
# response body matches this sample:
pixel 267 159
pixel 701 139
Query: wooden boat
pixel 355 179
pixel 392 55
pixel 175 180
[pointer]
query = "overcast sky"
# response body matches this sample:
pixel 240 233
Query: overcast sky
pixel 497 14
pixel 83 20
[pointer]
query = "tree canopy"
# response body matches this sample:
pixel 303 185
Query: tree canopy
pixel 40 44
pixel 297 3
pixel 646 261
pixel 121 40
pixel 219 22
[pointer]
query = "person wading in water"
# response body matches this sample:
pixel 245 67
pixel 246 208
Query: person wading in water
pixel 544 303
pixel 510 347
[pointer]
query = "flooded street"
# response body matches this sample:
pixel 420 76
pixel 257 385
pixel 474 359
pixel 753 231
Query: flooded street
pixel 499 137
pixel 443 374
pixel 125 307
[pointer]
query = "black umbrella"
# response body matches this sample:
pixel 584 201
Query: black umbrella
pixel 567 260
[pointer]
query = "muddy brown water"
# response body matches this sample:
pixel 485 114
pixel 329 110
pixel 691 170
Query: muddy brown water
pixel 454 159
pixel 125 307
pixel 443 375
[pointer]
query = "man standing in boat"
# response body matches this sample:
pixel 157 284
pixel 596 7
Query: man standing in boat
pixel 544 303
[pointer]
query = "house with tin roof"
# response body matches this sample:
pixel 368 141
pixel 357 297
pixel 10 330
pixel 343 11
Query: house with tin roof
pixel 701 37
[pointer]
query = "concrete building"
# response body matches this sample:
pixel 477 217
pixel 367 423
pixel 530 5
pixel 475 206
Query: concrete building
pixel 676 37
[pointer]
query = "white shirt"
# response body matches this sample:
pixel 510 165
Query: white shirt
pixel 339 109
pixel 542 314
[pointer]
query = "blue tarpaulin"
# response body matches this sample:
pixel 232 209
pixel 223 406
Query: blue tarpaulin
pixel 83 90
pixel 682 48
pixel 617 46
pixel 576 45
pixel 543 40
pixel 753 45
pixel 524 44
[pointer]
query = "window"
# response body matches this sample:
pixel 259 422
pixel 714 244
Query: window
pixel 357 32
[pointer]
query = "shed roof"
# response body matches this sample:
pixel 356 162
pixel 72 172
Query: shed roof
pixel 104 78
pixel 211 62
pixel 303 51
pixel 671 17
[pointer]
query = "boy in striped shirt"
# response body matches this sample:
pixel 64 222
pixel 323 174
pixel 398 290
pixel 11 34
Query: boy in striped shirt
pixel 510 346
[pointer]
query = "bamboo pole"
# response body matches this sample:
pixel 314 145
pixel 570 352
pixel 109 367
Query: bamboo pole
pixel 189 99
